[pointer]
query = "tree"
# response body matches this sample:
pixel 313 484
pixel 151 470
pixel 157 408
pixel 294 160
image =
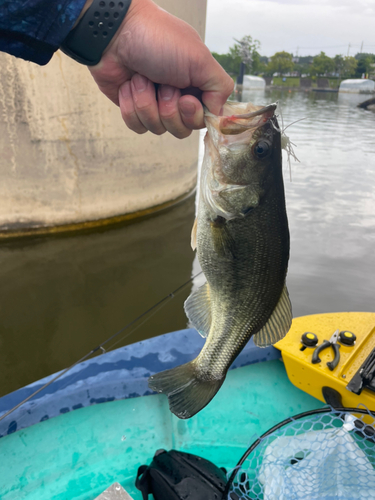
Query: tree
pixel 303 65
pixel 345 67
pixel 259 64
pixel 339 64
pixel 368 63
pixel 365 64
pixel 228 62
pixel 247 50
pixel 322 64
pixel 350 66
pixel 302 69
pixel 281 62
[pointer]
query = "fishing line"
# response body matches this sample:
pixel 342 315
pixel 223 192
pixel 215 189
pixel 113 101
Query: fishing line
pixel 154 309
pixel 286 143
pixel 295 121
pixel 152 313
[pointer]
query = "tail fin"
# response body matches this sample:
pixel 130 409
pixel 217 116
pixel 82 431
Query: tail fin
pixel 187 393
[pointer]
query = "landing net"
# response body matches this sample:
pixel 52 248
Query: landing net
pixel 324 454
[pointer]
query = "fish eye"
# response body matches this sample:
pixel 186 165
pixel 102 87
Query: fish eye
pixel 262 149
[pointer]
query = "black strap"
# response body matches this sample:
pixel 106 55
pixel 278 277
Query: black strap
pixel 142 481
pixel 88 40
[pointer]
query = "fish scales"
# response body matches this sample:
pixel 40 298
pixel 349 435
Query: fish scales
pixel 241 301
pixel 242 240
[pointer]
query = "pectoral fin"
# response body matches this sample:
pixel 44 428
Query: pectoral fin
pixel 198 309
pixel 279 323
pixel 194 235
pixel 224 243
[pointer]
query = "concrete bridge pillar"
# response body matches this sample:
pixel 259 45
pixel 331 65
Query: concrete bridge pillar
pixel 66 157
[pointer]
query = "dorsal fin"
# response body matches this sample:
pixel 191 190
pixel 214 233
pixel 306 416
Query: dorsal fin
pixel 198 309
pixel 278 324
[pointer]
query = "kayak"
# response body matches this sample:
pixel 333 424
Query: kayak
pixel 99 422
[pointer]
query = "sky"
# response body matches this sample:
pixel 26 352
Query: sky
pixel 307 26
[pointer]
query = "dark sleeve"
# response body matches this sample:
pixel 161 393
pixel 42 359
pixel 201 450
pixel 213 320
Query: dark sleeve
pixel 35 29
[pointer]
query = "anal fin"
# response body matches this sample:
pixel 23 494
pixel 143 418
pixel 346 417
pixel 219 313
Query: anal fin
pixel 278 324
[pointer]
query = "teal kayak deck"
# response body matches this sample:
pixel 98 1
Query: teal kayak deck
pixel 81 453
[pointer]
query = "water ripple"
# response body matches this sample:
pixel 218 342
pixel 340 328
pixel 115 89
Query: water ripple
pixel 331 200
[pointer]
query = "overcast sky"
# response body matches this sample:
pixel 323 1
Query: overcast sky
pixel 312 26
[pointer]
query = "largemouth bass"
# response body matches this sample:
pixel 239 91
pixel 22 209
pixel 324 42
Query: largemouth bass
pixel 242 239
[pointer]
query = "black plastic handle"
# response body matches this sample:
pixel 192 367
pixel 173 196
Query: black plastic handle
pixel 332 364
pixel 315 357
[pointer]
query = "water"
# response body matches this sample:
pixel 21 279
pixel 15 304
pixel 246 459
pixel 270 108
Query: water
pixel 331 203
pixel 62 296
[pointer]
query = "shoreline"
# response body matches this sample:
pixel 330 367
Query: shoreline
pixel 239 88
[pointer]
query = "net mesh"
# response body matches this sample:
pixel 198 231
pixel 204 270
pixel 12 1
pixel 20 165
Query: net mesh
pixel 321 455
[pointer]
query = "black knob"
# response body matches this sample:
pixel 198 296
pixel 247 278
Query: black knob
pixel 347 338
pixel 309 339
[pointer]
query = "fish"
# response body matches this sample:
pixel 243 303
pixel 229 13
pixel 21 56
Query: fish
pixel 241 236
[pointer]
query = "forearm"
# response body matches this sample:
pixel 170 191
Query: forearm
pixel 34 29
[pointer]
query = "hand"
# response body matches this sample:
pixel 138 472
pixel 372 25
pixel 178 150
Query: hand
pixel 152 46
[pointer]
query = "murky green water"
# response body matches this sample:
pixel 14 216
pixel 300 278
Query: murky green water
pixel 62 296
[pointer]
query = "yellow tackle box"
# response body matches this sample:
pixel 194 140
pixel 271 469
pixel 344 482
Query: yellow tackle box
pixel 356 356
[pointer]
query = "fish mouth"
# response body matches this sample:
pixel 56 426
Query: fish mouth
pixel 231 135
pixel 234 122
pixel 262 111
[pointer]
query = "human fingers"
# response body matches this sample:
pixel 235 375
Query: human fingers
pixel 127 108
pixel 169 112
pixel 145 104
pixel 215 83
pixel 150 43
pixel 191 112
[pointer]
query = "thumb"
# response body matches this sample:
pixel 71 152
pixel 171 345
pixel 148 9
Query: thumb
pixel 217 88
